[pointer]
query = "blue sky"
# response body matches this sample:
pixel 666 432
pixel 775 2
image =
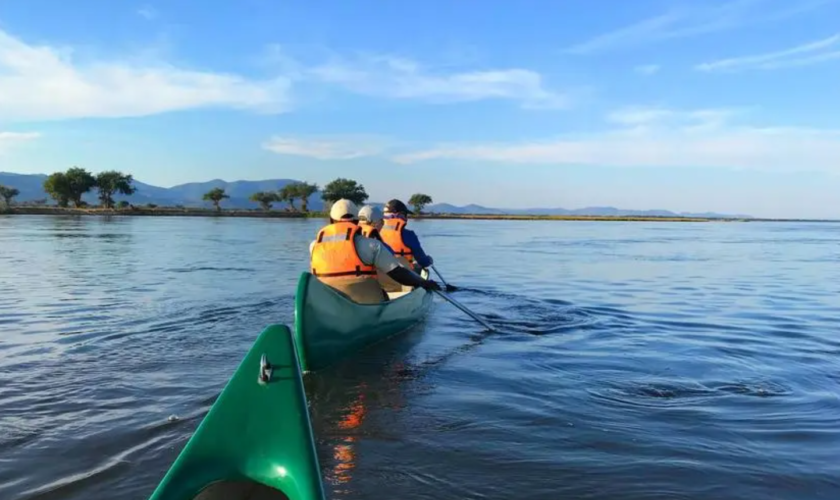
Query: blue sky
pixel 693 105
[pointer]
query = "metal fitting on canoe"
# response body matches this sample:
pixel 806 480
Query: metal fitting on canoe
pixel 265 370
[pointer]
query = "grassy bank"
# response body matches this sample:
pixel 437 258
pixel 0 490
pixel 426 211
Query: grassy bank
pixel 615 218
pixel 159 211
pixel 283 214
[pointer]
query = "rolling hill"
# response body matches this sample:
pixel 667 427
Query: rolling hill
pixel 189 195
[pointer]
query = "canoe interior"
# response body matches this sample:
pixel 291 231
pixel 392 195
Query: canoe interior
pixel 329 326
pixel 240 490
pixel 256 443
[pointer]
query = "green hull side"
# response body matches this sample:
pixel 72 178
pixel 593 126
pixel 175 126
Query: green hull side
pixel 329 326
pixel 256 442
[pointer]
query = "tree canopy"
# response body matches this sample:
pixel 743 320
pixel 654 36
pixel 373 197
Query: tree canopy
pixel 57 185
pixel 302 191
pixel 419 202
pixel 111 182
pixel 288 193
pixel 79 182
pixel 216 195
pixel 7 193
pixel 347 189
pixel 265 199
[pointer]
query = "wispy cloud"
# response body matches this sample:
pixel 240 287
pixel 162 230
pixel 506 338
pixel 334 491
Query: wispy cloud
pixel 815 52
pixel 702 18
pixel 10 139
pixel 45 83
pixel 664 138
pixel 645 118
pixel 647 69
pixel 326 148
pixel 39 82
pixel 147 12
pixel 391 77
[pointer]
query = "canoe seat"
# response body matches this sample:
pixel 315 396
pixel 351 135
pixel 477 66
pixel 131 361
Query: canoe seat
pixel 405 291
pixel 240 490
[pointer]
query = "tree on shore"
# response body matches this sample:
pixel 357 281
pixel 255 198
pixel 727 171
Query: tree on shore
pixel 111 182
pixel 265 199
pixel 303 190
pixel 7 193
pixel 288 193
pixel 347 189
pixel 79 182
pixel 58 187
pixel 216 195
pixel 419 202
pixel 69 186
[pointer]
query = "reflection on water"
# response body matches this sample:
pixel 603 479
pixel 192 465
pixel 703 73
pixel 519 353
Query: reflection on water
pixel 344 454
pixel 633 360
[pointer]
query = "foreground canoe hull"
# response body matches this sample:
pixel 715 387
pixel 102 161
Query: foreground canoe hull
pixel 329 326
pixel 256 442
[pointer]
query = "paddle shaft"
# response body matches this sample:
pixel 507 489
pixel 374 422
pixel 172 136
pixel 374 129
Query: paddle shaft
pixel 439 276
pixel 465 310
pixel 449 288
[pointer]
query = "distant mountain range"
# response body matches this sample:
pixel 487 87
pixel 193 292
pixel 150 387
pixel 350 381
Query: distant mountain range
pixel 31 188
pixel 189 195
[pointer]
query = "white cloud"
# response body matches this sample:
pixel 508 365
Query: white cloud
pixel 147 12
pixel 40 82
pixel 664 138
pixel 645 118
pixel 45 83
pixel 809 53
pixel 647 69
pixel 703 18
pixel 401 78
pixel 326 148
pixel 11 139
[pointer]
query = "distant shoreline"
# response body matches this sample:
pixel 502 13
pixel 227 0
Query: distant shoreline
pixel 283 214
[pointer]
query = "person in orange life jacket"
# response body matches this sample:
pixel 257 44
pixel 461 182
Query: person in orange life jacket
pixel 345 260
pixel 370 220
pixel 403 242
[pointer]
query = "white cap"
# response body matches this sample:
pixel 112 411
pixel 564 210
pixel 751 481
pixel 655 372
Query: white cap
pixel 344 209
pixel 370 214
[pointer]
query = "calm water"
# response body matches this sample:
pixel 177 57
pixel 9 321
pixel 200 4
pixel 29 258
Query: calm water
pixel 633 361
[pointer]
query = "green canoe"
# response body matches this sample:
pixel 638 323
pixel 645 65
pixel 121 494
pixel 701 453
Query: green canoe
pixel 329 326
pixel 256 442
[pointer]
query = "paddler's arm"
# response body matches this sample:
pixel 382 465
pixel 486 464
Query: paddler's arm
pixel 371 252
pixel 413 242
pixel 407 277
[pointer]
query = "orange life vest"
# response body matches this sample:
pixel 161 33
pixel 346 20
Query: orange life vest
pixel 368 231
pixel 392 235
pixel 334 253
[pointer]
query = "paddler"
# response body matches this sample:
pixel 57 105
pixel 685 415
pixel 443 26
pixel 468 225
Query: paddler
pixel 342 258
pixel 403 242
pixel 370 220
